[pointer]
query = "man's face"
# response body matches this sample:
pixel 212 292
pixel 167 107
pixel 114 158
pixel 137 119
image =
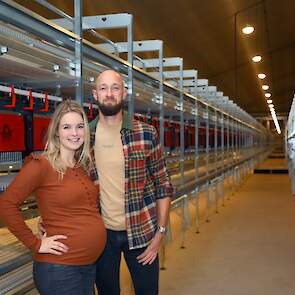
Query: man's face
pixel 109 93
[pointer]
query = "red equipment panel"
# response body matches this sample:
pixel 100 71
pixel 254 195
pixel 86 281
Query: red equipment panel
pixel 12 133
pixel 176 130
pixel 225 137
pixel 40 129
pixel 191 136
pixel 211 136
pixel 168 134
pixel 202 137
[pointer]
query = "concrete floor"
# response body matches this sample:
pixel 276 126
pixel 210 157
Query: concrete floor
pixel 248 248
pixel 279 163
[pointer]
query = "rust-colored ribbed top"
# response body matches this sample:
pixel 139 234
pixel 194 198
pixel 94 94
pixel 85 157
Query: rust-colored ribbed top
pixel 68 207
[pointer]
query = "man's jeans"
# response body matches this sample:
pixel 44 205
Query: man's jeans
pixel 58 279
pixel 145 277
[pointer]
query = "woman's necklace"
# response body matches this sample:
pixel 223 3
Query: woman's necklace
pixel 110 140
pixel 108 145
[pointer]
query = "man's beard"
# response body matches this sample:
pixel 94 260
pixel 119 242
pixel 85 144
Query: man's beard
pixel 110 109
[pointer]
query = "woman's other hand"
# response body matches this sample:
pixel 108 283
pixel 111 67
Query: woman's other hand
pixel 52 245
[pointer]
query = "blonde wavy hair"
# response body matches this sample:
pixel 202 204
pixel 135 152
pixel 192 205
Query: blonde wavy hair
pixel 52 148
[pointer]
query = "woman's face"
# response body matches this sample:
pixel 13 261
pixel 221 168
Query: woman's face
pixel 71 131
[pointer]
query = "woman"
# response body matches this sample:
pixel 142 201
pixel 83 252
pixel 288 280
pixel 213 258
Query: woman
pixel 67 200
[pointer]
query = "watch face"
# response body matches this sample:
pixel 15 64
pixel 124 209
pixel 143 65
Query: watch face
pixel 162 229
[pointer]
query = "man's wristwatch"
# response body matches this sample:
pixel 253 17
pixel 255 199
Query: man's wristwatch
pixel 162 229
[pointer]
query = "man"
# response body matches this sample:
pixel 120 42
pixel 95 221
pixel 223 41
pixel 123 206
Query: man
pixel 135 190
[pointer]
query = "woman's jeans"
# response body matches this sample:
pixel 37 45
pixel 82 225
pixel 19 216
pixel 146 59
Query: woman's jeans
pixel 58 279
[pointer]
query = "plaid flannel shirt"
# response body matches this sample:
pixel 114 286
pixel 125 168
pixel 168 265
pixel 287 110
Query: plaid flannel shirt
pixel 146 178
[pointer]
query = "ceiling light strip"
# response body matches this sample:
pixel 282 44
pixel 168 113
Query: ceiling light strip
pixel 275 120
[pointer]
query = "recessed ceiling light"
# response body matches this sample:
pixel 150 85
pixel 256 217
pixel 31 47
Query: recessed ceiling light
pixel 261 76
pixel 269 101
pixel 265 87
pixel 248 29
pixel 257 58
pixel 267 95
pixel 271 106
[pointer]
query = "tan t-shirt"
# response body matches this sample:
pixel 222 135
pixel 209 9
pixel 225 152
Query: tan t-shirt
pixel 110 165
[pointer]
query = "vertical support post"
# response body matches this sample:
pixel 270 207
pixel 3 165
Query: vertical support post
pixel 162 252
pixel 161 95
pixel 78 51
pixel 243 150
pixel 162 256
pixel 247 145
pixel 162 140
pixel 207 165
pixel 236 153
pixel 216 159
pixel 230 156
pixel 197 222
pixel 181 124
pixel 237 168
pixel 185 220
pixel 235 57
pixel 222 156
pixel 130 68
